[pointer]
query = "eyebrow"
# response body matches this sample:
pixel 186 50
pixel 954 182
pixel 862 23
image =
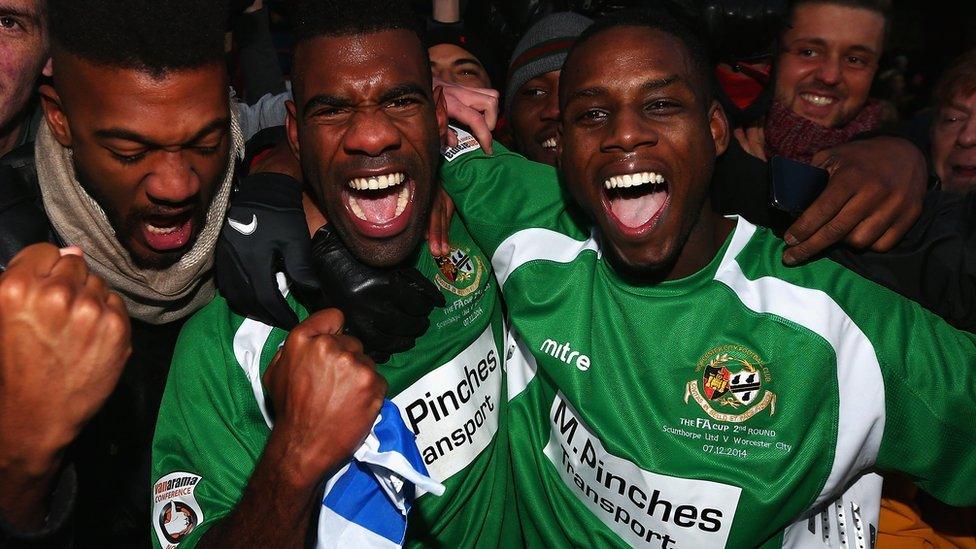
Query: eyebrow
pixel 466 61
pixel 325 100
pixel 812 40
pixel 863 49
pixel 15 11
pixel 128 135
pixel 650 85
pixel 820 42
pixel 659 83
pixel 400 91
pixel 329 100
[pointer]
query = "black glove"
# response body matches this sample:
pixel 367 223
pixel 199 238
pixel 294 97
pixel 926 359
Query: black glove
pixel 386 309
pixel 265 233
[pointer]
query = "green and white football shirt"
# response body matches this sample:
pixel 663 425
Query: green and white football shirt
pixel 213 423
pixel 722 409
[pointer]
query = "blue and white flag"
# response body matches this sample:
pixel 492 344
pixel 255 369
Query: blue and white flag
pixel 367 501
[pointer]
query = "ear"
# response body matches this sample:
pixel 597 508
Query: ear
pixel 440 110
pixel 55 116
pixel 719 126
pixel 291 127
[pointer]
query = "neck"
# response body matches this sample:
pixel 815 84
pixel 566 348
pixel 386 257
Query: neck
pixel 705 240
pixel 313 215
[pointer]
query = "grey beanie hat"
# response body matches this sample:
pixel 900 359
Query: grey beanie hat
pixel 543 49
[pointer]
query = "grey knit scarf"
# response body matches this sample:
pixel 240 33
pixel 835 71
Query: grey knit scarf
pixel 156 296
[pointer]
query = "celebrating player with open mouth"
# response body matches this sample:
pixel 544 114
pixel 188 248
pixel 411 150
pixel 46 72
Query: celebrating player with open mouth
pixel 674 384
pixel 367 127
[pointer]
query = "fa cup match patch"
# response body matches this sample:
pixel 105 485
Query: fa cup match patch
pixel 730 385
pixel 466 143
pixel 460 272
pixel 175 509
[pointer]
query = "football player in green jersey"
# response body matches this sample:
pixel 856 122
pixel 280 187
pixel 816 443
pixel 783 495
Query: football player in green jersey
pixel 673 384
pixel 366 126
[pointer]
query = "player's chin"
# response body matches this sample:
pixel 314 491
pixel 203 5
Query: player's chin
pixel 644 257
pixel 389 251
pixel 146 257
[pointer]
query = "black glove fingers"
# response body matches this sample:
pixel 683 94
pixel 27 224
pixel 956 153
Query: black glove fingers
pixel 413 296
pixel 233 282
pixel 423 286
pixel 298 264
pixel 271 304
pixel 399 325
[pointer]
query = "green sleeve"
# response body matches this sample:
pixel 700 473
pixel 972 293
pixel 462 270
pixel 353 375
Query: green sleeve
pixel 929 371
pixel 923 376
pixel 499 195
pixel 209 427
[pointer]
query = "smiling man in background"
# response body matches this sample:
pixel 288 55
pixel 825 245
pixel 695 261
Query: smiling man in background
pixel 954 127
pixel 828 56
pixel 531 94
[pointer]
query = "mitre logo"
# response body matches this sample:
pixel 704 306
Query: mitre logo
pixel 731 384
pixel 565 353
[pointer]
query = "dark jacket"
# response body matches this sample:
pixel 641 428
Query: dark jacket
pixel 934 264
pixel 102 495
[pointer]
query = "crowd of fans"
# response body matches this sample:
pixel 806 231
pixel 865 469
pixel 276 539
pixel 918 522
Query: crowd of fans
pixel 329 273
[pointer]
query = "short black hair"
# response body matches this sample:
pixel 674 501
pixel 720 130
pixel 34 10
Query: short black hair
pixel 157 36
pixel 663 20
pixel 312 18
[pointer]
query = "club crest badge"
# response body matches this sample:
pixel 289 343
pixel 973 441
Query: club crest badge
pixel 460 272
pixel 731 384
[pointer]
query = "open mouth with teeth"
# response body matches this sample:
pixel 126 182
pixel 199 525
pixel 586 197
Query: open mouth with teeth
pixel 818 100
pixel 164 234
pixel 549 144
pixel 636 201
pixel 379 206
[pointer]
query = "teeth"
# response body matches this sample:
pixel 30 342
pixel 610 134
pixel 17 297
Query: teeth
pixel 633 180
pixel 549 143
pixel 402 201
pixel 377 182
pixel 357 210
pixel 819 100
pixel 161 230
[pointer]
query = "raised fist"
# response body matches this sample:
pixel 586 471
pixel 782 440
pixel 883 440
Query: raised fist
pixel 325 393
pixel 64 339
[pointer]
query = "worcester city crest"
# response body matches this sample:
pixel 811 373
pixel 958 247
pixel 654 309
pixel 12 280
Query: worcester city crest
pixel 731 384
pixel 460 271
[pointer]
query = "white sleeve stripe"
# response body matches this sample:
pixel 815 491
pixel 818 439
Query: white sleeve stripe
pixel 534 244
pixel 521 366
pixel 861 414
pixel 249 343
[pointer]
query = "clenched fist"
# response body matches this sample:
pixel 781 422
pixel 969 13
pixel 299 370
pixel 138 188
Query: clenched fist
pixel 64 339
pixel 325 393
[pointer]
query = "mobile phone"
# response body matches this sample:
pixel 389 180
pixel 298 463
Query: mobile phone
pixel 795 185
